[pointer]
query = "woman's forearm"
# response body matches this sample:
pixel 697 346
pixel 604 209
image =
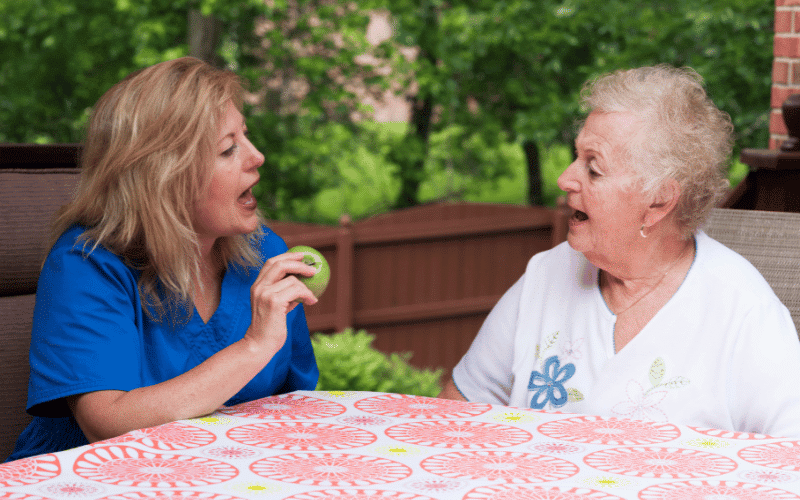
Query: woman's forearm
pixel 199 391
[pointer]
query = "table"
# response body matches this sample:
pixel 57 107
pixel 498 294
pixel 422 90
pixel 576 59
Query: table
pixel 310 445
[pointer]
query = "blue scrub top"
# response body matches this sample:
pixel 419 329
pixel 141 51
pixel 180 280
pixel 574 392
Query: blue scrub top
pixel 90 333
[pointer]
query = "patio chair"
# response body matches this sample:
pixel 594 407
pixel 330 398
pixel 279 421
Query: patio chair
pixel 770 241
pixel 34 183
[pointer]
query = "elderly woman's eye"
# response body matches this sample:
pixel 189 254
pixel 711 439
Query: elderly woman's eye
pixel 591 167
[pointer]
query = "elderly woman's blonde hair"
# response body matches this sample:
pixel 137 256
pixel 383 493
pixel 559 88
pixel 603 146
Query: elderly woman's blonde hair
pixel 146 162
pixel 685 136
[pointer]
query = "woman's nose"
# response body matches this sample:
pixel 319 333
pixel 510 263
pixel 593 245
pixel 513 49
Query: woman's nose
pixel 256 158
pixel 567 181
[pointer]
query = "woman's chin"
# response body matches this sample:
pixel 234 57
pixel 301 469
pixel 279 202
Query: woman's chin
pixel 576 240
pixel 250 220
pixel 251 226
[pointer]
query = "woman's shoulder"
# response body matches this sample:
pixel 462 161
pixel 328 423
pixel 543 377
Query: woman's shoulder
pixel 75 262
pixel 76 244
pixel 561 253
pixel 270 243
pixel 70 238
pixel 723 267
pixel 561 263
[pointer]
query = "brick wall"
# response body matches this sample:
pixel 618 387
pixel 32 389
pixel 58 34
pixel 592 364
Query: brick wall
pixel 786 65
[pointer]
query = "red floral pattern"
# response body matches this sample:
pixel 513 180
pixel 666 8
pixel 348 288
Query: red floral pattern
pixel 729 434
pixel 20 496
pixel 556 448
pixel 29 470
pixel 232 453
pixel 364 420
pixel 170 495
pixel 461 434
pixel 169 437
pixel 330 469
pixel 767 476
pixel 286 407
pixel 435 485
pixel 506 466
pixel 298 447
pixel 301 436
pixel 128 466
pixel 601 430
pixel 705 490
pixel 663 463
pixel 784 455
pixel 357 495
pixel 503 492
pixel 404 406
pixel 73 490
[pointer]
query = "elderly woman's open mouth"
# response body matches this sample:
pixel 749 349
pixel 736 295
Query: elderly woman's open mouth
pixel 579 216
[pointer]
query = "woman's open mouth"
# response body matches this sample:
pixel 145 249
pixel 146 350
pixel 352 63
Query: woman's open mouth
pixel 579 216
pixel 247 199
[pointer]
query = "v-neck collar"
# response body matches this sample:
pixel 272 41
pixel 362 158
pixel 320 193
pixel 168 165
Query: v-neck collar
pixel 223 298
pixel 613 317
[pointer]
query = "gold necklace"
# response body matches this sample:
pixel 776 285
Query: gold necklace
pixel 657 283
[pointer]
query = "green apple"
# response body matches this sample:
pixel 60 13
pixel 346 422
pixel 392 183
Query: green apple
pixel 319 282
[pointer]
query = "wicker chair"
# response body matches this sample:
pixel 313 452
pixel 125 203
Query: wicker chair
pixel 770 241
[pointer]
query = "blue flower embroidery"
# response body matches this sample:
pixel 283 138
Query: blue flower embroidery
pixel 548 387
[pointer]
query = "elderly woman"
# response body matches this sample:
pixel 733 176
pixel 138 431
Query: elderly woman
pixel 641 314
pixel 163 296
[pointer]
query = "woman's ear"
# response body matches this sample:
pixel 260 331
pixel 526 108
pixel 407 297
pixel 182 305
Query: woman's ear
pixel 664 202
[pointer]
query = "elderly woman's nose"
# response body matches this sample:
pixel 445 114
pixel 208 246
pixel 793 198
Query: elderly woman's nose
pixel 566 181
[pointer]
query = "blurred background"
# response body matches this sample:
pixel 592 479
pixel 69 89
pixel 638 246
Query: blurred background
pixel 367 106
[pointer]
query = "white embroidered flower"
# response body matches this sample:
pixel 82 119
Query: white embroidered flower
pixel 571 349
pixel 641 404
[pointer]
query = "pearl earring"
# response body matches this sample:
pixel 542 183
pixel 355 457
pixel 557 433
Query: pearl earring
pixel 641 231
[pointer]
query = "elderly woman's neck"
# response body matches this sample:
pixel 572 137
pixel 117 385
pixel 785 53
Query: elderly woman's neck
pixel 650 261
pixel 634 295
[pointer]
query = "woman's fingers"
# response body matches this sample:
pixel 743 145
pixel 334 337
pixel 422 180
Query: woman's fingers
pixel 287 291
pixel 285 269
pixel 284 264
pixel 275 293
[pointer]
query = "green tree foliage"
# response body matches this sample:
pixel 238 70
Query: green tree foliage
pixel 57 57
pixel 514 69
pixel 487 75
pixel 302 62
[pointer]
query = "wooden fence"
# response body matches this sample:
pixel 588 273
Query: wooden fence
pixel 422 280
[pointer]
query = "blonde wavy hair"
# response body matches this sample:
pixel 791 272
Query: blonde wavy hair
pixel 686 137
pixel 147 160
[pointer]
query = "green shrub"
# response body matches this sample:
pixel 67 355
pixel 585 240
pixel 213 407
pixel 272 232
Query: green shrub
pixel 348 362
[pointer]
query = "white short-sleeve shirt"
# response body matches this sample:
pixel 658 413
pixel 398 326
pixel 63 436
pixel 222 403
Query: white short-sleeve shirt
pixel 722 353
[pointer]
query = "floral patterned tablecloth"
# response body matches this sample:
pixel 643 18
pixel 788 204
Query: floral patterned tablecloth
pixel 376 446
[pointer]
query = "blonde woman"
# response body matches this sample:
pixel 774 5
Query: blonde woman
pixel 163 296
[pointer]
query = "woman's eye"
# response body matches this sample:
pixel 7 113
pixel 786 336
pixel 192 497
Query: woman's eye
pixel 590 166
pixel 228 152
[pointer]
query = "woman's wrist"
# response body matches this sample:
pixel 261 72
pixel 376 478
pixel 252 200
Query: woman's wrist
pixel 260 345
